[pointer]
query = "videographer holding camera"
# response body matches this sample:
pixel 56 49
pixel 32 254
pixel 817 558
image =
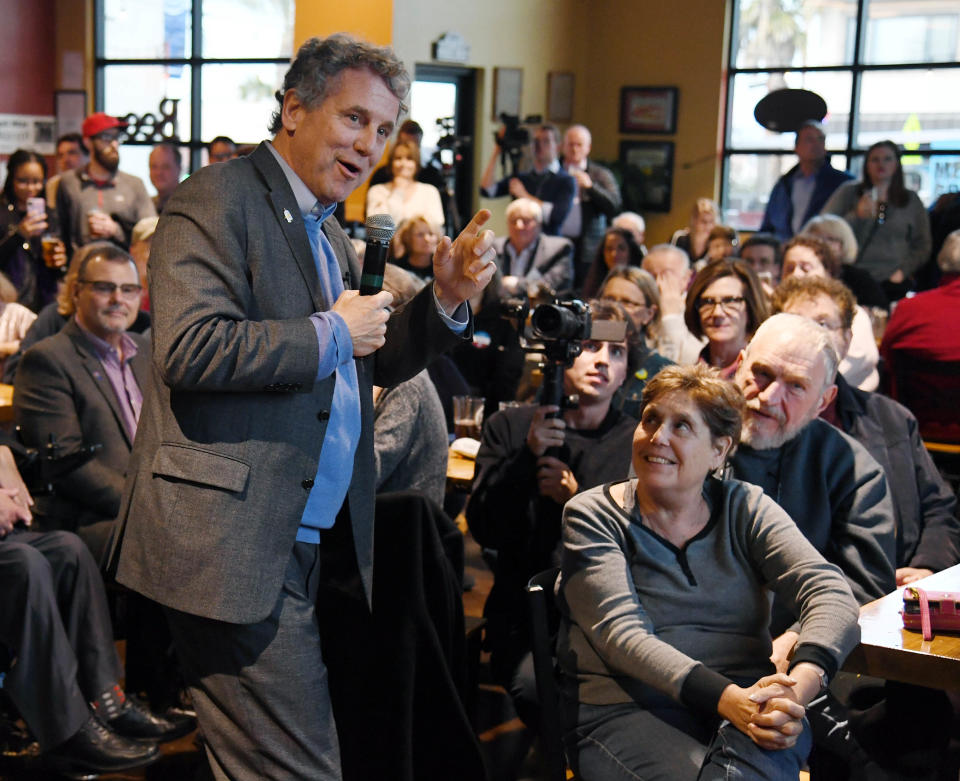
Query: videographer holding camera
pixel 546 183
pixel 532 460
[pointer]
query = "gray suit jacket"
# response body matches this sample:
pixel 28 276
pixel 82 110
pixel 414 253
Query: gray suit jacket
pixel 233 420
pixel 552 261
pixel 61 389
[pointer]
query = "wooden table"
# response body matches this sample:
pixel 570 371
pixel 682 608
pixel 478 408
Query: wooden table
pixel 6 403
pixel 460 471
pixel 887 650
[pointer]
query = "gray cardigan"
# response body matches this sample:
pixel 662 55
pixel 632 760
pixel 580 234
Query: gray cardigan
pixel 902 242
pixel 643 618
pixel 410 439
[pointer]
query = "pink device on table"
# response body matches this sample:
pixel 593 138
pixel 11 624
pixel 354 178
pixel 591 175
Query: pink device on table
pixel 929 610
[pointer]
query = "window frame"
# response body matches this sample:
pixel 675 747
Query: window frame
pixel 196 144
pixel 855 68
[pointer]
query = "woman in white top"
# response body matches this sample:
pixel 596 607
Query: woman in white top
pixel 403 196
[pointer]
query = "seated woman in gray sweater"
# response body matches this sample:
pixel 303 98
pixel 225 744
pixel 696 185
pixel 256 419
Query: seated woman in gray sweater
pixel 409 429
pixel 664 645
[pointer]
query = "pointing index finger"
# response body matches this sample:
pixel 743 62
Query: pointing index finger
pixel 478 221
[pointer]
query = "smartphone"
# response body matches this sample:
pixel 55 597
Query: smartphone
pixel 36 207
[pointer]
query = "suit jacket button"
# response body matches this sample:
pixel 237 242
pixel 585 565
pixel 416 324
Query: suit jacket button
pixel 308 483
pixel 323 414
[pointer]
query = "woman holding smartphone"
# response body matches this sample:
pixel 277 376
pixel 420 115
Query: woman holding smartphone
pixel 26 226
pixel 888 220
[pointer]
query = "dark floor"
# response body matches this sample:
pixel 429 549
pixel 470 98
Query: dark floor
pixel 505 742
pixel 509 749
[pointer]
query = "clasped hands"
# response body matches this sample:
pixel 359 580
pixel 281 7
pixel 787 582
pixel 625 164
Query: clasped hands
pixel 768 712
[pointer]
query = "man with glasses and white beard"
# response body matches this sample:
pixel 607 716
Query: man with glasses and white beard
pixel 98 201
pixel 827 482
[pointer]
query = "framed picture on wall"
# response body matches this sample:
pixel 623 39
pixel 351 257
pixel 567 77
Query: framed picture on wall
pixel 647 170
pixel 71 108
pixel 648 109
pixel 559 96
pixel 507 89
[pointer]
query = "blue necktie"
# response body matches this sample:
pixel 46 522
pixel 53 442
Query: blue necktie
pixel 335 466
pixel 328 270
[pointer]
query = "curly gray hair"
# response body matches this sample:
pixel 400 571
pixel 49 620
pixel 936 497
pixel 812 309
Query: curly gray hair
pixel 320 60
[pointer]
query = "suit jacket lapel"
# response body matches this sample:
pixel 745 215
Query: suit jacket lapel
pixel 92 366
pixel 287 214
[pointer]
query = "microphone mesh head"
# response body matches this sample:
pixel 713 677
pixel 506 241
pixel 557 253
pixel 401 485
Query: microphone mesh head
pixel 380 227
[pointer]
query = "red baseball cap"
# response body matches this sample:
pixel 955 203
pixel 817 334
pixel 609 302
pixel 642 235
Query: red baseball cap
pixel 97 123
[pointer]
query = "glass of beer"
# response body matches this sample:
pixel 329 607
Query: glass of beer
pixel 50 243
pixel 467 416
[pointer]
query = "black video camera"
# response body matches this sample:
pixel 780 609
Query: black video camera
pixel 514 139
pixel 558 330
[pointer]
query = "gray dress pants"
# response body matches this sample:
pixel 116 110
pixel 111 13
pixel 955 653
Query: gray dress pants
pixel 261 690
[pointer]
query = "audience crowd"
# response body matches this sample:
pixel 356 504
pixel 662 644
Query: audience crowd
pixel 737 431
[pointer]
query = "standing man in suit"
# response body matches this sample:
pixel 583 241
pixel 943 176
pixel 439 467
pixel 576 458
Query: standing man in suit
pixel 253 468
pixel 596 203
pixel 527 258
pixel 81 389
pixel 546 183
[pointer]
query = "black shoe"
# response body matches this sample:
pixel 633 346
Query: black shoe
pixel 136 721
pixel 96 749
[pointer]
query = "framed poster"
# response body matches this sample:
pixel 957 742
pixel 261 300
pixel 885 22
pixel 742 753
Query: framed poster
pixel 648 109
pixel 647 168
pixel 71 108
pixel 507 89
pixel 559 96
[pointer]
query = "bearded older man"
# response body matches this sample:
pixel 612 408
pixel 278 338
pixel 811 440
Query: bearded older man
pixel 829 484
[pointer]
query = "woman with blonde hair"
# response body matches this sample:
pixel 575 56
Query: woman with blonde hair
pixel 414 244
pixel 403 196
pixel 637 292
pixel 838 235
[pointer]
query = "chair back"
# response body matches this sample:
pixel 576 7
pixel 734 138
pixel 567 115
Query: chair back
pixel 544 621
pixel 931 391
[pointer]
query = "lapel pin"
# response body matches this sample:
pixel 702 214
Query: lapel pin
pixel 287 216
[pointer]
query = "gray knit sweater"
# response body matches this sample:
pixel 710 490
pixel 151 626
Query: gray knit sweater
pixel 410 439
pixel 901 242
pixel 643 618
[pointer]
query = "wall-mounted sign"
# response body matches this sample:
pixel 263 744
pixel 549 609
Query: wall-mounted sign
pixel 25 131
pixel 451 47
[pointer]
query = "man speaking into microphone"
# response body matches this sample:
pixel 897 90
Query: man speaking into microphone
pixel 255 444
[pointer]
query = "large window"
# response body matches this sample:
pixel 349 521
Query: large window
pixel 887 69
pixel 221 60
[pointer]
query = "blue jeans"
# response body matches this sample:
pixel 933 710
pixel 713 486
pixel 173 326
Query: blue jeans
pixel 626 741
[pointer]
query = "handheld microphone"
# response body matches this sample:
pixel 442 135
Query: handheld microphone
pixel 380 229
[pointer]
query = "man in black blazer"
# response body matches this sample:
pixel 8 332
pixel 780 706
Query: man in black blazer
pixel 252 474
pixel 77 398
